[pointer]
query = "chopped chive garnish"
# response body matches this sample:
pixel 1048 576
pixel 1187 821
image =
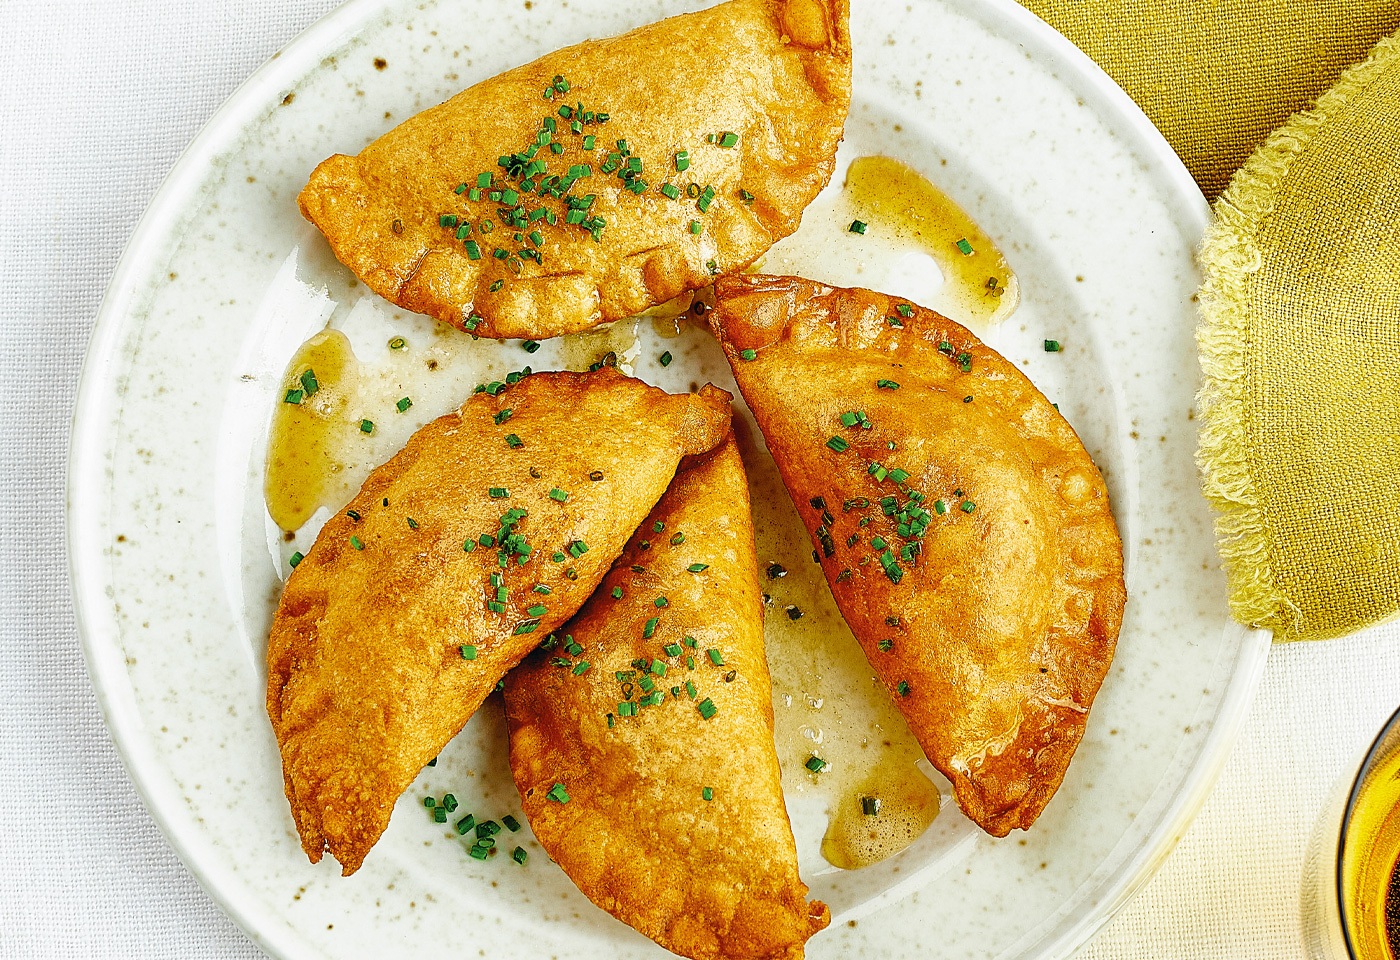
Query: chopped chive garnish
pixel 617 593
pixel 903 688
pixel 660 601
pixel 581 668
pixel 886 385
pixel 967 506
pixel 964 247
pixel 838 444
pixel 293 396
pixel 939 507
pixel 538 610
pixel 698 567
pixel 716 657
pixel 439 815
pixel 707 708
pixel 464 825
pixel 649 629
pixel 870 806
pixel 308 382
pixel 682 161
pixel 727 140
pixel 857 226
pixel 513 441
pixel 496 493
pixel 905 310
pixel 296 558
pixel 749 354
pixel 520 855
pixel 696 227
pixel 357 543
pixel 707 793
pixel 1052 346
pixel 403 404
pixel 557 494
pixel 558 794
pixel 815 764
pixel 577 549
pixel 449 802
pixel 429 802
pixel 468 651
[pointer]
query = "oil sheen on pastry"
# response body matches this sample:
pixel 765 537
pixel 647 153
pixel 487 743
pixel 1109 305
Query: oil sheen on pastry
pixel 601 179
pixel 962 527
pixel 456 558
pixel 641 739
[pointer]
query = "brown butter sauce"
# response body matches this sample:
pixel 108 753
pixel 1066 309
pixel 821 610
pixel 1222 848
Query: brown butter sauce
pixel 895 199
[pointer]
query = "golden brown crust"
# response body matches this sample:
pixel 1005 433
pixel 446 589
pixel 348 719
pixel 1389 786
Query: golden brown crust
pixel 1009 614
pixel 366 678
pixel 705 879
pixel 776 72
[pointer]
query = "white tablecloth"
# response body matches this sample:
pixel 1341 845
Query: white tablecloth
pixel 97 98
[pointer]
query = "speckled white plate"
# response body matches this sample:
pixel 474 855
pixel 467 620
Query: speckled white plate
pixel 174 582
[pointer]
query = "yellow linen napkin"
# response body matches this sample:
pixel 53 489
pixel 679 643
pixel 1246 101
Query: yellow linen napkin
pixel 1300 344
pixel 1216 76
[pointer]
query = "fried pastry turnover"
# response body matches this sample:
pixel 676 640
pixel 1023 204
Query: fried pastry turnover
pixel 456 558
pixel 601 179
pixel 963 529
pixel 641 739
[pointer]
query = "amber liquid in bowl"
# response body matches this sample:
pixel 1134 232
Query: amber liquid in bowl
pixel 1370 864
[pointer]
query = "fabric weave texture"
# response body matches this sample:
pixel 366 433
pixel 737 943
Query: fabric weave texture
pixel 1217 76
pixel 1300 343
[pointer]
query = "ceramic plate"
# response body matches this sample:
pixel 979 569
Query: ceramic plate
pixel 176 569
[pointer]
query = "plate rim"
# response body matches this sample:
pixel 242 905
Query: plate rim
pixel 85 467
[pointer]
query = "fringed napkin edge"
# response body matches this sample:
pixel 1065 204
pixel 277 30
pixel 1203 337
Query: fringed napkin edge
pixel 1228 256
